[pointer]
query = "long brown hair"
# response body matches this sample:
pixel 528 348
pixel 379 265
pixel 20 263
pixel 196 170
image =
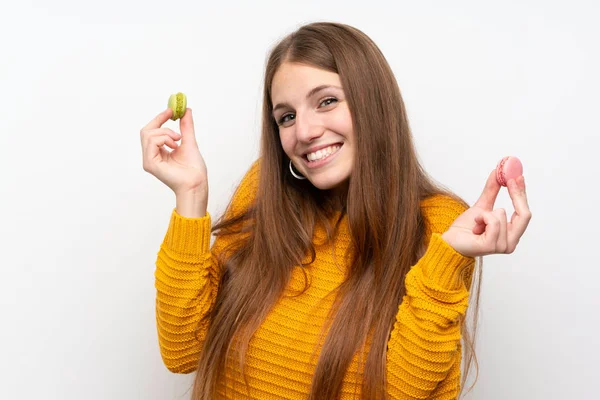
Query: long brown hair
pixel 384 216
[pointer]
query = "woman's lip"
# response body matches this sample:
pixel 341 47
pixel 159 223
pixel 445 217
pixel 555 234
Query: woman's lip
pixel 315 149
pixel 320 163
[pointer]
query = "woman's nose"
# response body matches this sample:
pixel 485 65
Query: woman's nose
pixel 308 127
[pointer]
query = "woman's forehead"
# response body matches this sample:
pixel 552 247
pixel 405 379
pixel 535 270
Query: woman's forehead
pixel 293 79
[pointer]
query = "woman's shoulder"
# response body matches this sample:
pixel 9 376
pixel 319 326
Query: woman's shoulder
pixel 440 210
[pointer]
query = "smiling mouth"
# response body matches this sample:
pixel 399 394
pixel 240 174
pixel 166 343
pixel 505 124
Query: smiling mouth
pixel 322 154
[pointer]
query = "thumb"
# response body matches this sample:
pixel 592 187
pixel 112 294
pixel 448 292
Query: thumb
pixel 490 192
pixel 186 125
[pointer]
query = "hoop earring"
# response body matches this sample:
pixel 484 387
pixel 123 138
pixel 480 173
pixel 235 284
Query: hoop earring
pixel 297 176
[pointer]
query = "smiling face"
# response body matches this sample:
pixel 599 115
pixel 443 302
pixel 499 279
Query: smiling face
pixel 315 126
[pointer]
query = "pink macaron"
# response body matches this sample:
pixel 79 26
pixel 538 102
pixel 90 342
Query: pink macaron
pixel 508 168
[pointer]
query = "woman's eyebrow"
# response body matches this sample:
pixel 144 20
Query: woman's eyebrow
pixel 308 95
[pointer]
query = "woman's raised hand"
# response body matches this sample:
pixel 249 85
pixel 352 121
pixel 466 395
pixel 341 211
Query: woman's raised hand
pixel 481 230
pixel 182 169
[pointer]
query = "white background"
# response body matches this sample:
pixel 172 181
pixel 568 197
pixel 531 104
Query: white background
pixel 81 222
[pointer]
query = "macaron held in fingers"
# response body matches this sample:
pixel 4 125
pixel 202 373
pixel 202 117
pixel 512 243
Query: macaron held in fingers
pixel 177 103
pixel 508 168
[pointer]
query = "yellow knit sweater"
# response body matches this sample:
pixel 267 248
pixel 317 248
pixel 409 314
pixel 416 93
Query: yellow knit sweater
pixel 424 351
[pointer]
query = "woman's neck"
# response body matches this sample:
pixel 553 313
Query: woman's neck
pixel 339 196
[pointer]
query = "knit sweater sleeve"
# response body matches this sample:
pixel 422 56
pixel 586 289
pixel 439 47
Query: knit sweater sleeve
pixel 187 280
pixel 424 350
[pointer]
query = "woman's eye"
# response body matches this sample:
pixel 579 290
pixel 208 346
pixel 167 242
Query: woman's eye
pixel 328 101
pixel 286 118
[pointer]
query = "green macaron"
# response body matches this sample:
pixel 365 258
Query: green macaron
pixel 177 103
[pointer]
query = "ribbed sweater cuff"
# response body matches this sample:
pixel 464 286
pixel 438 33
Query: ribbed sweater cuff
pixel 444 265
pixel 188 235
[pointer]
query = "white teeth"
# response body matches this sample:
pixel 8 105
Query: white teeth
pixel 320 154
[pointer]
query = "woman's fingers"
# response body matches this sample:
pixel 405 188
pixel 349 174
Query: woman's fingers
pixel 479 228
pixel 160 131
pixel 164 154
pixel 483 230
pixel 490 192
pixel 522 215
pixel 489 239
pixel 499 232
pixel 480 224
pixel 159 120
pixel 153 128
pixel 153 141
pixel 186 125
pixel 493 239
pixel 154 151
pixel 501 242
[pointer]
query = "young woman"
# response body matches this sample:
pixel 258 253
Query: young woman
pixel 339 269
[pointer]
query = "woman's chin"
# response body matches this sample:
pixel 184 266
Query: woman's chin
pixel 332 184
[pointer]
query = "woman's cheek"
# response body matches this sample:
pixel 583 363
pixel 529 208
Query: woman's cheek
pixel 287 142
pixel 342 121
